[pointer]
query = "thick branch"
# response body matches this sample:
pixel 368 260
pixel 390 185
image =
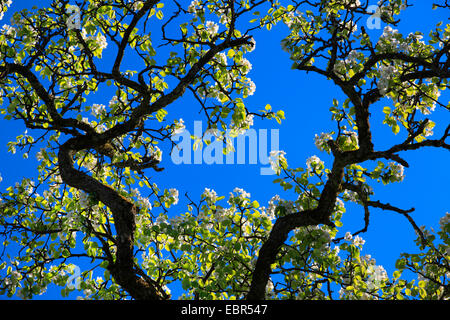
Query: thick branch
pixel 284 225
pixel 123 212
pixel 270 248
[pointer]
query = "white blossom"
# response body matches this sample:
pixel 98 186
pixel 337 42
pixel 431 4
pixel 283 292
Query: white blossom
pixel 348 236
pixel 161 219
pixel 145 202
pixel 193 6
pixel 157 153
pixel 397 171
pixel 247 66
pixel 275 158
pixel 252 46
pixel 40 154
pixel 67 84
pixel 380 273
pixel 210 195
pixel 176 221
pixel 101 41
pixel 100 128
pixel 166 289
pixel 212 27
pixel 8 30
pixel 351 137
pixel 350 196
pixel 3 9
pixel 321 141
pixel 351 26
pixel 250 86
pixel 358 241
pixel 179 126
pixel 222 58
pixel 377 274
pixel 241 127
pixel 114 100
pixel 32 39
pixel 174 194
pixel 293 18
pixel 352 58
pixel 273 205
pixel 389 33
pixel 353 3
pixel 224 13
pixel 137 5
pixel 98 40
pixel 386 75
pixel 313 162
pixel 242 192
pixel 428 131
pixel 84 199
pixel 339 205
pixel 97 109
pixel 445 220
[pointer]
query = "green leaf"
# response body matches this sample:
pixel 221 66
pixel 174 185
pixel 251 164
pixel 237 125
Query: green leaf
pixel 395 128
pixel 422 293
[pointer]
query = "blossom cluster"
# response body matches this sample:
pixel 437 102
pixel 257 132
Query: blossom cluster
pixel 277 160
pixel 393 41
pixel 4 5
pixel 144 202
pixel 352 61
pixel 397 171
pixel 8 30
pixel 387 73
pixel 444 221
pixel 356 241
pixel 97 43
pixel 237 128
pixel 314 164
pixel 174 195
pixel 321 141
pixel 194 6
pixel 240 197
pixel 212 28
pixel 352 3
pixel 179 126
pixel 210 196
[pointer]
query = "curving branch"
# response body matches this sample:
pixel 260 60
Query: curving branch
pixel 362 99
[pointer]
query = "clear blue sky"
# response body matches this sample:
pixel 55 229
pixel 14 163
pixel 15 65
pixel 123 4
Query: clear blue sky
pixel 305 100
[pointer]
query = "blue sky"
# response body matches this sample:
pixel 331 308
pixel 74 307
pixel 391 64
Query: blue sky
pixel 305 98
